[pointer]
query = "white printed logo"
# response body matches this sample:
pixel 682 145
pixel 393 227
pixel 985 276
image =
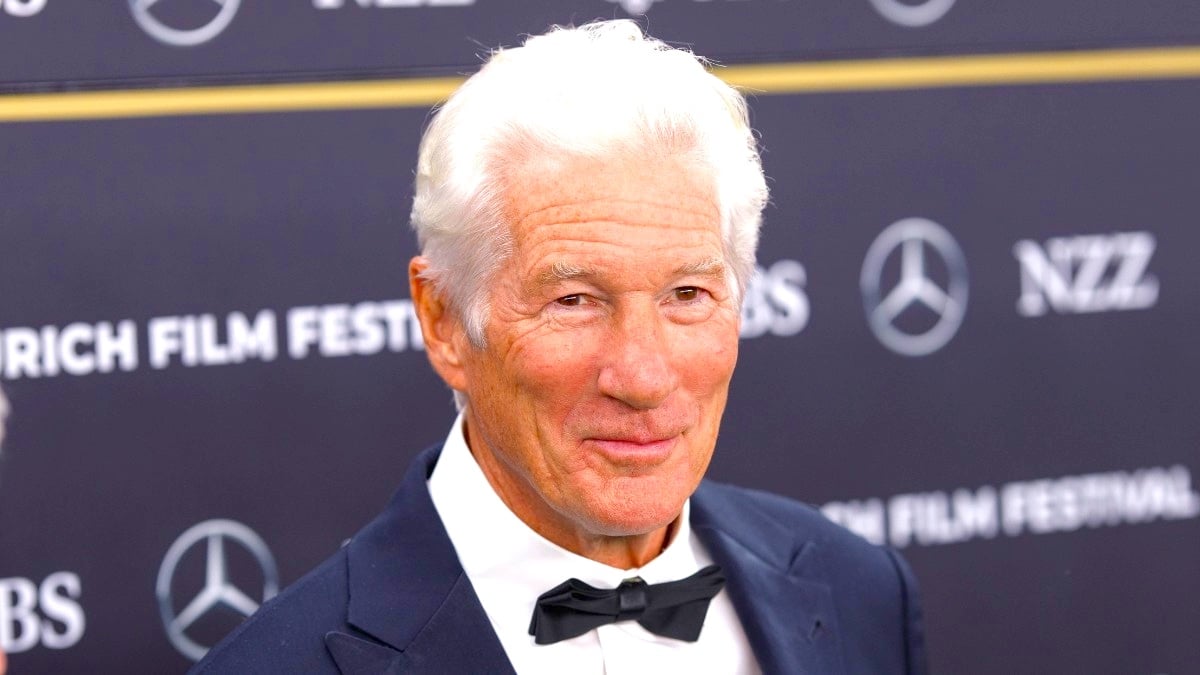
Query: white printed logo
pixel 913 16
pixel 218 589
pixel 392 4
pixel 775 301
pixel 22 8
pixel 912 237
pixel 1087 273
pixel 48 613
pixel 635 7
pixel 156 25
pixel 1041 506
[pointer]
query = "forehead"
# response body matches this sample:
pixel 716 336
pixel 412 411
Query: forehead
pixel 666 198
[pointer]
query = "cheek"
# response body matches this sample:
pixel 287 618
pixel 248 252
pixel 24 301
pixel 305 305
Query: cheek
pixel 707 358
pixel 708 373
pixel 554 370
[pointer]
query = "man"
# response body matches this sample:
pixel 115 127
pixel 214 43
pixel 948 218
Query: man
pixel 587 207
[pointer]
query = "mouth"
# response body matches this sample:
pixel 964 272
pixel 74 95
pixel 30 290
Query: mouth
pixel 634 451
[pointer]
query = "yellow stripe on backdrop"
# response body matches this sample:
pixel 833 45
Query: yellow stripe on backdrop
pixel 1158 63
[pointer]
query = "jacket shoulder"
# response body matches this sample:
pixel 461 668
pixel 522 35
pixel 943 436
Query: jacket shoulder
pixel 287 634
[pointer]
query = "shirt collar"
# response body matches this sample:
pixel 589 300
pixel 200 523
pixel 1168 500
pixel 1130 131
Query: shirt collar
pixel 494 544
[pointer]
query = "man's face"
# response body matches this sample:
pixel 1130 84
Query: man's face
pixel 611 340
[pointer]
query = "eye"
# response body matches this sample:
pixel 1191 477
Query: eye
pixel 687 293
pixel 570 300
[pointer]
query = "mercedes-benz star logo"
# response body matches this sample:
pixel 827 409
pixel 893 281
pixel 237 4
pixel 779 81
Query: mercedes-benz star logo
pixel 218 590
pixel 913 15
pixel 915 288
pixel 159 23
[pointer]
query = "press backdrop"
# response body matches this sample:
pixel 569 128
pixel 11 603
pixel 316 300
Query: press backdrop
pixel 973 337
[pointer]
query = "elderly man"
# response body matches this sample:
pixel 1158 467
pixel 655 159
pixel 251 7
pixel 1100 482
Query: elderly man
pixel 588 208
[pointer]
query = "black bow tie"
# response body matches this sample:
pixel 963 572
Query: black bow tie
pixel 674 609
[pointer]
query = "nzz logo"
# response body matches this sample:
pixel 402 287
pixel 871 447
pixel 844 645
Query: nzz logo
pixel 1086 273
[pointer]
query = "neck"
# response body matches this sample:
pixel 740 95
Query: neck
pixel 623 552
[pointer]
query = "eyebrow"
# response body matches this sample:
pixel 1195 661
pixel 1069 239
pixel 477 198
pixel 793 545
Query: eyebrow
pixel 709 267
pixel 562 271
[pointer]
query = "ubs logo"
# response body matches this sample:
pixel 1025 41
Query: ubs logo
pixel 913 15
pixel 917 315
pixel 217 589
pixel 182 24
pixel 48 613
pixel 776 301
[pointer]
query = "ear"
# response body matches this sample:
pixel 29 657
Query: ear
pixel 444 335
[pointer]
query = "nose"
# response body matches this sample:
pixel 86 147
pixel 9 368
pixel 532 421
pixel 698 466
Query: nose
pixel 638 370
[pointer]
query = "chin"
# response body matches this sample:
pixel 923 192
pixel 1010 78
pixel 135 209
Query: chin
pixel 636 510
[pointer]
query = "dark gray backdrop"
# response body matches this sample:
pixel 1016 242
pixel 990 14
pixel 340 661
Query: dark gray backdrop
pixel 1077 428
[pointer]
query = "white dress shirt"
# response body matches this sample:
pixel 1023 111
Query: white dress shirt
pixel 510 565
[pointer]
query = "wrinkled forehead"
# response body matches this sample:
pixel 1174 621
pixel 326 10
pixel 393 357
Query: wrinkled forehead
pixel 540 186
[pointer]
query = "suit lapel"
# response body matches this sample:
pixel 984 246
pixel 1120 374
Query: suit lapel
pixel 787 613
pixel 356 655
pixel 409 592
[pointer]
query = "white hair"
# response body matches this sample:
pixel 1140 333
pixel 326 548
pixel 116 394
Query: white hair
pixel 599 90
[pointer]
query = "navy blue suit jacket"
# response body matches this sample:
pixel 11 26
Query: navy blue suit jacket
pixel 812 597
